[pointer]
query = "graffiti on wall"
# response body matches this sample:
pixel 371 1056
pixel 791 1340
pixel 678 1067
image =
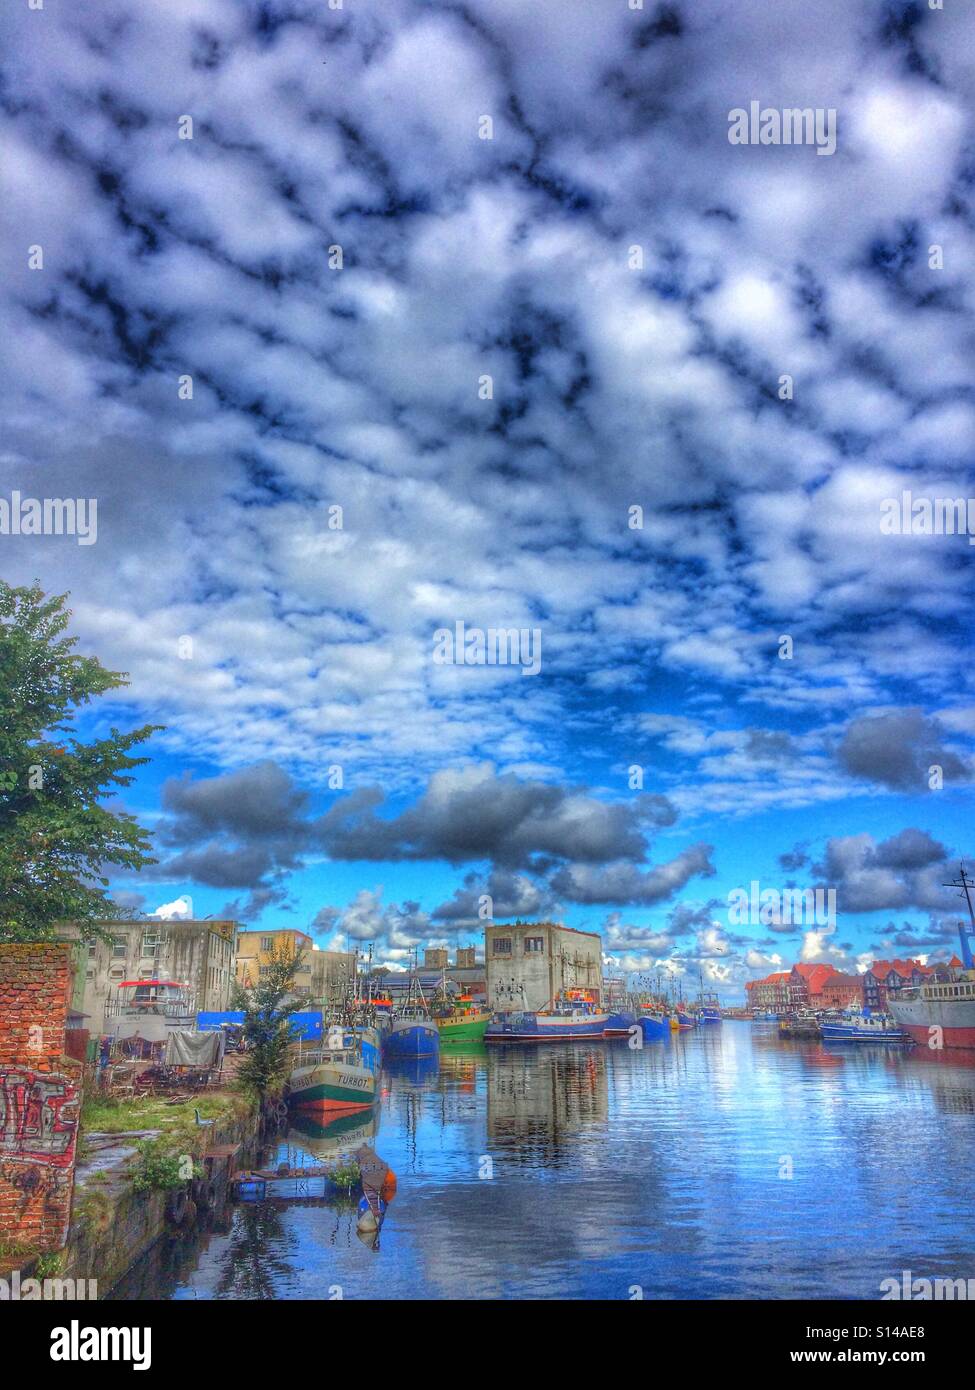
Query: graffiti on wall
pixel 38 1118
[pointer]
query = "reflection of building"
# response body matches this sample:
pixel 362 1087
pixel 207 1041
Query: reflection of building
pixel 195 956
pixel 323 976
pixel 546 1095
pixel 530 963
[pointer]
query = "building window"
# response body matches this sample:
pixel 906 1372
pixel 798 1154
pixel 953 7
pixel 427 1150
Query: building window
pixel 118 946
pixel 502 945
pixel 267 944
pixel 534 945
pixel 150 944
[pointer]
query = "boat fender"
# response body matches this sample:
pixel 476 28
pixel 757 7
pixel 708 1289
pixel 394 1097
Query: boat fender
pixel 204 1194
pixel 176 1204
pixel 388 1190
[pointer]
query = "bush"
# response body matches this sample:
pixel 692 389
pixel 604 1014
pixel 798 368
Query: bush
pixel 161 1170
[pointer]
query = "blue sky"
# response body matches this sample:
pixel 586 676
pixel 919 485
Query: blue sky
pixel 638 290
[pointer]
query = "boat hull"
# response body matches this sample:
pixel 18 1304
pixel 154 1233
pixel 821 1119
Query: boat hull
pixel 329 1088
pixel 849 1033
pixel 412 1039
pixel 955 1019
pixel 654 1029
pixel 525 1027
pixel 463 1030
pixel 619 1025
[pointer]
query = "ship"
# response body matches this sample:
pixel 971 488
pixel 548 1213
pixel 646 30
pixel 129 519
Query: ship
pixel 460 1020
pixel 850 1026
pixel 412 1031
pixel 941 1013
pixel 342 1074
pixel 571 1017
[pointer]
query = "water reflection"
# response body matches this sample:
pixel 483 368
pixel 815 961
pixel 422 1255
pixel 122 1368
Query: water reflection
pixel 717 1164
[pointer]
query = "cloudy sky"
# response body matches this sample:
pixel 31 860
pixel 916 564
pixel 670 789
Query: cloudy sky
pixel 471 312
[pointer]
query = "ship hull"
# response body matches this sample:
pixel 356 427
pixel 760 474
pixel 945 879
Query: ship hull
pixel 654 1029
pixel 619 1025
pixel 412 1040
pixel 464 1030
pixel 332 1089
pixel 848 1033
pixel 536 1028
pixel 955 1019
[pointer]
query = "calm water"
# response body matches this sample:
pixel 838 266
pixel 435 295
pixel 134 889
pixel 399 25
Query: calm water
pixel 612 1168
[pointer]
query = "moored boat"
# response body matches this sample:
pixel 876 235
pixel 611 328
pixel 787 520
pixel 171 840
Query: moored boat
pixel 941 1013
pixel 654 1025
pixel 461 1021
pixel 851 1027
pixel 568 1020
pixel 412 1033
pixel 619 1025
pixel 335 1076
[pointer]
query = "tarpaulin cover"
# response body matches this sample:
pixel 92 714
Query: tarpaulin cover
pixel 307 1026
pixel 186 1047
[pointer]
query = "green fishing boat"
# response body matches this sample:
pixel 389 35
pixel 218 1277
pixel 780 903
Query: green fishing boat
pixel 461 1021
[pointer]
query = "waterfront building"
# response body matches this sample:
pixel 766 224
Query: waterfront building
pixel 530 963
pixel 435 958
pixel 196 956
pixel 771 994
pixel 323 976
pixel 841 991
pixel 888 976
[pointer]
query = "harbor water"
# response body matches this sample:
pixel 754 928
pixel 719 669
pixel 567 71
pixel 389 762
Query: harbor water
pixel 721 1163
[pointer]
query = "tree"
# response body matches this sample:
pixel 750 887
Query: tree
pixel 267 1011
pixel 55 836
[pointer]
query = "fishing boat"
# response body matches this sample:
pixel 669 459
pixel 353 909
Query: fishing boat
pixel 706 1008
pixel 619 1025
pixel 941 1013
pixel 570 1018
pixel 340 1074
pixel 412 1032
pixel 853 1027
pixel 683 1020
pixel 654 1024
pixel 460 1020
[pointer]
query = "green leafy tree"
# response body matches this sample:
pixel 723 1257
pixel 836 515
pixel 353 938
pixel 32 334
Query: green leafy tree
pixel 55 835
pixel 267 1010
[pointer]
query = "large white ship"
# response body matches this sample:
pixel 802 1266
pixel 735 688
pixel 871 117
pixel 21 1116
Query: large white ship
pixel 942 1014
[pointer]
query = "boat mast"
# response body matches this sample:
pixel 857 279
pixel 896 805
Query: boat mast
pixel 965 885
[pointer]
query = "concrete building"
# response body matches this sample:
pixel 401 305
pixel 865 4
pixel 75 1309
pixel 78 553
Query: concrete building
pixel 530 963
pixel 322 977
pixel 197 956
pixel 435 958
pixel 466 957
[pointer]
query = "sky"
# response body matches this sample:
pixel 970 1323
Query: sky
pixel 361 320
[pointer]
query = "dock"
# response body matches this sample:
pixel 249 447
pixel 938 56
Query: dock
pixel 253 1183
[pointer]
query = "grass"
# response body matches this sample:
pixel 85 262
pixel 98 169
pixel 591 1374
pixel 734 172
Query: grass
pixel 105 1115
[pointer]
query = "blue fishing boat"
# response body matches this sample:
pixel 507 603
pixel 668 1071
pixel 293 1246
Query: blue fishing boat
pixel 654 1025
pixel 568 1020
pixel 618 1025
pixel 851 1027
pixel 412 1033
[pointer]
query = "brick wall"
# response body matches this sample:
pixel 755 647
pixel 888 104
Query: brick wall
pixel 39 1095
